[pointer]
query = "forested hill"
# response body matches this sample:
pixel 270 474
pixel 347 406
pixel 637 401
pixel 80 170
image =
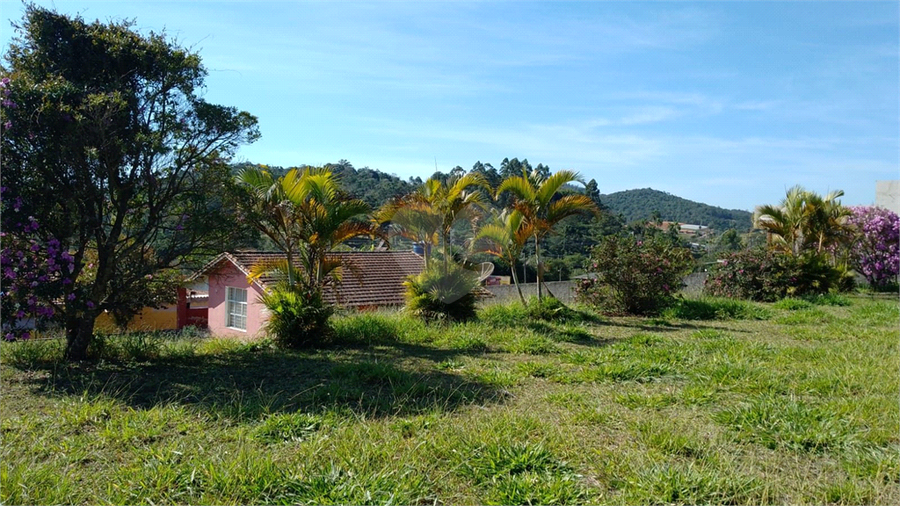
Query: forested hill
pixel 640 204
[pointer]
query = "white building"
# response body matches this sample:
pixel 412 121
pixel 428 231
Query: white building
pixel 887 194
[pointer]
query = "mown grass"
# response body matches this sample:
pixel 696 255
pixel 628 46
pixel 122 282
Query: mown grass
pixel 714 402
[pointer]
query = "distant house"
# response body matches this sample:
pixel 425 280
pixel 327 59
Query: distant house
pixel 371 279
pixel 683 228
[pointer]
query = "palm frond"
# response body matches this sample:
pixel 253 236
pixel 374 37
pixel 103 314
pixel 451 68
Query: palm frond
pixel 519 186
pixel 552 184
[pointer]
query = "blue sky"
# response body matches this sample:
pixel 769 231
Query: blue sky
pixel 724 103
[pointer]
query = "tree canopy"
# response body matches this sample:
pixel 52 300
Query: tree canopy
pixel 113 151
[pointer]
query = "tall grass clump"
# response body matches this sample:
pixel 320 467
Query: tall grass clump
pixel 716 308
pixel 504 315
pixel 776 422
pixel 548 309
pixel 366 328
pixel 31 353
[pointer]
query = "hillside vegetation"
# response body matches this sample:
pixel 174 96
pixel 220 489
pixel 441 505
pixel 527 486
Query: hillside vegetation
pixel 640 204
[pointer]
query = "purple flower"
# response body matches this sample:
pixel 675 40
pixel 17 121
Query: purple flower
pixel 71 296
pixel 90 305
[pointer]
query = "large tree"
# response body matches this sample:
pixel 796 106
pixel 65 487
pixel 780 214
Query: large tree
pixel 111 148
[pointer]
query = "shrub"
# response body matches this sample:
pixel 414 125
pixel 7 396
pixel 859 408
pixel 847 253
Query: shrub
pixel 875 252
pixel 635 277
pixel 442 292
pixel 298 317
pixel 769 276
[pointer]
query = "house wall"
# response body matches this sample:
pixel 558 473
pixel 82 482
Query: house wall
pixel 219 281
pixel 148 319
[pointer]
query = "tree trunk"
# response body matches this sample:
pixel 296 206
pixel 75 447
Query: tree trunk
pixel 540 273
pixel 290 272
pixel 79 332
pixel 446 240
pixel 516 282
pixel 549 293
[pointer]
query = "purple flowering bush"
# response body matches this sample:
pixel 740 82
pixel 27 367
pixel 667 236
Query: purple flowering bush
pixel 767 276
pixel 875 252
pixel 35 273
pixel 634 277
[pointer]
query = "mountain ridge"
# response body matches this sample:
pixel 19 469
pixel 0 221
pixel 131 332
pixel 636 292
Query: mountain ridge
pixel 640 204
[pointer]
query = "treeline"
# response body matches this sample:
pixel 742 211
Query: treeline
pixel 567 250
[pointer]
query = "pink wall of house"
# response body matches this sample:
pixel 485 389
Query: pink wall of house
pixel 219 280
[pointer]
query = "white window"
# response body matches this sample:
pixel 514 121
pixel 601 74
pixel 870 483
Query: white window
pixel 236 308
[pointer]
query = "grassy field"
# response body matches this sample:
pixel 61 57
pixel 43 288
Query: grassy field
pixel 714 402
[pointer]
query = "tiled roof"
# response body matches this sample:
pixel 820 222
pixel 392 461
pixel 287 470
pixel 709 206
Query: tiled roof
pixel 370 278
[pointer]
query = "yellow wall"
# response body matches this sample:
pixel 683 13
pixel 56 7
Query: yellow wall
pixel 148 319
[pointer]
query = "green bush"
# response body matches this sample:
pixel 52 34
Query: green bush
pixel 443 292
pixel 769 276
pixel 635 277
pixel 298 317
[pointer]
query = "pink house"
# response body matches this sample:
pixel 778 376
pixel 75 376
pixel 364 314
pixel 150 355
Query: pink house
pixel 371 279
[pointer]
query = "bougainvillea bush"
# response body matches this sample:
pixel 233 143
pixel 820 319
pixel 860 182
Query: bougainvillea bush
pixel 875 252
pixel 634 277
pixel 767 276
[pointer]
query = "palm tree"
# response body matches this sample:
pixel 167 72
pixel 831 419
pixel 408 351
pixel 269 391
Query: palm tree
pixel 535 197
pixel 827 219
pixel 271 212
pixel 305 213
pixel 804 220
pixel 428 214
pixel 328 218
pixel 505 237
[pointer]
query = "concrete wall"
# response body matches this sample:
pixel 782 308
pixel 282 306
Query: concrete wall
pixel 887 195
pixel 694 283
pixel 563 290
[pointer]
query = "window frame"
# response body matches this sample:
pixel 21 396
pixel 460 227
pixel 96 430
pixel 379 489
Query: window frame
pixel 232 303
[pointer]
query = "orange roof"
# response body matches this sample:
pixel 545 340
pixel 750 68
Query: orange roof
pixel 370 278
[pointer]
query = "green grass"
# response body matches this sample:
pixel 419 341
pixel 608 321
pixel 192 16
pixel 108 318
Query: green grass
pixel 715 402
